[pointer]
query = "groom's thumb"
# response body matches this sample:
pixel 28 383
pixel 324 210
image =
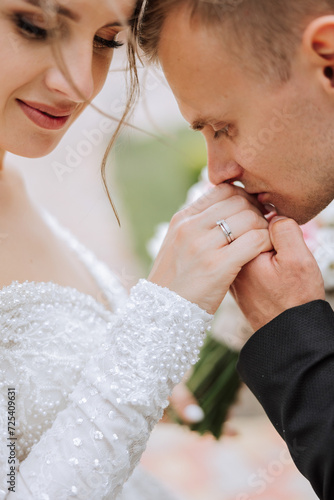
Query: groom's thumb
pixel 286 237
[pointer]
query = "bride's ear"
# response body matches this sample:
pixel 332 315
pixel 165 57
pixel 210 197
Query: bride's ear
pixel 318 47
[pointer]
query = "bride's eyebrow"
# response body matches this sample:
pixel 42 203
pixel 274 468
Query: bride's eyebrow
pixel 68 13
pixel 60 9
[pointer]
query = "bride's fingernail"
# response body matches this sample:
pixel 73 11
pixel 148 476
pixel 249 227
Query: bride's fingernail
pixel 193 413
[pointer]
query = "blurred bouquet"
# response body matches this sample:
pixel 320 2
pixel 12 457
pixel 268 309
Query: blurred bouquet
pixel 214 380
pixel 319 237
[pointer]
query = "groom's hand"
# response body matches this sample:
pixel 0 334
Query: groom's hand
pixel 279 280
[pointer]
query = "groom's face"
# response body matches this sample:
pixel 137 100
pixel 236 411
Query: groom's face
pixel 276 139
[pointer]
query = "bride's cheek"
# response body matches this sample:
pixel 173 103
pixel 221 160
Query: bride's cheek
pixel 100 71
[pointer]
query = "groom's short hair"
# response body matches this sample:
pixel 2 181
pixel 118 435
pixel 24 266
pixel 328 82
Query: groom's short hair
pixel 270 29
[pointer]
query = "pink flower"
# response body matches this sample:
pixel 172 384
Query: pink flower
pixel 310 233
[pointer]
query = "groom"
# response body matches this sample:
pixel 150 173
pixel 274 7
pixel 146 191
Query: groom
pixel 256 77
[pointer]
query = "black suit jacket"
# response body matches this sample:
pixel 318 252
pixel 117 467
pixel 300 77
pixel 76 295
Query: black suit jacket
pixel 289 366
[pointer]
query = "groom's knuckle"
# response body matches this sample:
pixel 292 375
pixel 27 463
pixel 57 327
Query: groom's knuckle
pixel 298 265
pixel 292 261
pixel 309 263
pixel 287 226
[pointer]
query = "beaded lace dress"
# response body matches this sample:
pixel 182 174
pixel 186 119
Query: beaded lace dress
pixel 89 383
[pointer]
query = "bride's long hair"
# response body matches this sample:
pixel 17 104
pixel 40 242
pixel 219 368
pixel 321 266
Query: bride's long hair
pixel 51 18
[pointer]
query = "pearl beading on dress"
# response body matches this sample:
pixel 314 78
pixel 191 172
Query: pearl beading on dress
pixel 40 324
pixel 90 384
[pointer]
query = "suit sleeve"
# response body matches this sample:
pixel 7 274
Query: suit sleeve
pixel 289 366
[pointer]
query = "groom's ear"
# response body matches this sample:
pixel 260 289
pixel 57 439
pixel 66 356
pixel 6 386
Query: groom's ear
pixel 318 47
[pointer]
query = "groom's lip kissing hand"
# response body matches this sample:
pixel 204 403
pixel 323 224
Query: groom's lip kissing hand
pixel 260 199
pixel 215 236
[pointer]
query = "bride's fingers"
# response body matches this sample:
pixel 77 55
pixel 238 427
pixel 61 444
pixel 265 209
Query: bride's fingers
pixel 251 198
pixel 244 249
pixel 240 216
pixel 194 261
pixel 225 209
pixel 238 225
pixel 215 195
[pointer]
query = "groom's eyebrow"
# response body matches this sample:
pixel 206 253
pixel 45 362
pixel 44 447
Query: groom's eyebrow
pixel 201 123
pixel 198 124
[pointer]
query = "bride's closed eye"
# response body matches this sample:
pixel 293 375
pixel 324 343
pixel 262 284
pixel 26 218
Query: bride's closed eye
pixel 32 31
pixel 103 42
pixel 29 29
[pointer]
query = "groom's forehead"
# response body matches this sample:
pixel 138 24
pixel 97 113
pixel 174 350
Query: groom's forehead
pixel 198 69
pixel 194 51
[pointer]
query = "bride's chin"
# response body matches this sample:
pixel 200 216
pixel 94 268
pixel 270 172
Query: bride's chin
pixel 34 149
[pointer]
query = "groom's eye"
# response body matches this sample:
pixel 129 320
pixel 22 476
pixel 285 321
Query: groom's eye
pixel 224 131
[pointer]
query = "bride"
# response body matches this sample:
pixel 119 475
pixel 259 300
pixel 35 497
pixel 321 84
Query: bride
pixel 83 383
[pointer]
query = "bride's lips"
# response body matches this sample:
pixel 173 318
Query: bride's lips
pixel 45 116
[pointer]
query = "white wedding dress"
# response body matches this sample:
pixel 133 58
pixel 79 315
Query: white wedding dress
pixel 89 384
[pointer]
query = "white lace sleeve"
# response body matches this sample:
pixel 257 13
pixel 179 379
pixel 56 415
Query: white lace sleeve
pixel 94 444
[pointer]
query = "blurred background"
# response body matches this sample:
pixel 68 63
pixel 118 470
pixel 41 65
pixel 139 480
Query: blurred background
pixel 149 173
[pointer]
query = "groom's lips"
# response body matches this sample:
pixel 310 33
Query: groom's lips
pixel 263 198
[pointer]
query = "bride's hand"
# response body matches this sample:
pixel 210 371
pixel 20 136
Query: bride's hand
pixel 196 261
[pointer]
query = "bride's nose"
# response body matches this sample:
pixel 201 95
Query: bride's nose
pixel 71 73
pixel 221 165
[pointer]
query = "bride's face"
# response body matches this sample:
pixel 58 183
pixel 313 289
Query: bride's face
pixel 37 102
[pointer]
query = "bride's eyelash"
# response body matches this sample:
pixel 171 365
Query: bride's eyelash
pixel 110 44
pixel 31 31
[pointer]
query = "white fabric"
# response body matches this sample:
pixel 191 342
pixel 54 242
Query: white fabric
pixel 90 384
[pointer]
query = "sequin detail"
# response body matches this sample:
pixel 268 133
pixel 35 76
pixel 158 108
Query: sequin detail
pixel 90 384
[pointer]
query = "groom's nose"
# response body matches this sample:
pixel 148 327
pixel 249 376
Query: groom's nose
pixel 221 166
